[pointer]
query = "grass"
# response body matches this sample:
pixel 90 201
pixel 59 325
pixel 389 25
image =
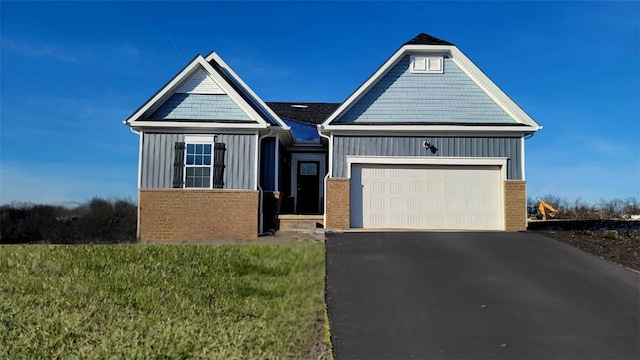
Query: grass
pixel 135 301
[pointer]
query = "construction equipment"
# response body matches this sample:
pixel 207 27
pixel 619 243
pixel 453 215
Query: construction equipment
pixel 541 210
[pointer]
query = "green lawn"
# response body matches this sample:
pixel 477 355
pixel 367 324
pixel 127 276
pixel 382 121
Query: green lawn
pixel 146 301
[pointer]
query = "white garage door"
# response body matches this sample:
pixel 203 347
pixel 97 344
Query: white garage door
pixel 426 197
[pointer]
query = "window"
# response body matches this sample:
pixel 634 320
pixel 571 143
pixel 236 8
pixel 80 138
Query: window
pixel 199 163
pixel 421 64
pixel 198 166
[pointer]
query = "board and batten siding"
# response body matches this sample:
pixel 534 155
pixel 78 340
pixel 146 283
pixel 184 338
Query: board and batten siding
pixel 158 152
pixel 508 147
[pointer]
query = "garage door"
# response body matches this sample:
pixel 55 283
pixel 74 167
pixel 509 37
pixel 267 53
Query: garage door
pixel 426 197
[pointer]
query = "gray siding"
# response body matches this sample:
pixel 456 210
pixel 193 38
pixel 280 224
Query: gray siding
pixel 508 147
pixel 158 152
pixel 200 107
pixel 404 97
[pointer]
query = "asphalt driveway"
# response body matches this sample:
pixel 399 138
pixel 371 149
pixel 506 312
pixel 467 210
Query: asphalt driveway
pixel 443 295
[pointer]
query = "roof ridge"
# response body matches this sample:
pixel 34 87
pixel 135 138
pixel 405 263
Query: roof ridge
pixel 426 39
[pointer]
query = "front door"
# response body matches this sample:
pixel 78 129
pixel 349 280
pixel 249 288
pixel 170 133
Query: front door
pixel 307 198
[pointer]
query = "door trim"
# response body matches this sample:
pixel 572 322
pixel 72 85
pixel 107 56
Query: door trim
pixel 322 159
pixel 440 160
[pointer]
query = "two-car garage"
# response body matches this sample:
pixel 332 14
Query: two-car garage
pixel 437 193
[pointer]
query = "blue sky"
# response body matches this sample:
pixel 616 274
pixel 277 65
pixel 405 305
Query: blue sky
pixel 71 72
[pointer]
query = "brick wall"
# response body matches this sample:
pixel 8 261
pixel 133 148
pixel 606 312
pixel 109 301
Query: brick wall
pixel 515 205
pixel 337 192
pixel 174 215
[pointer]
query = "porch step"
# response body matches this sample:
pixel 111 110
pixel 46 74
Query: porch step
pixel 300 222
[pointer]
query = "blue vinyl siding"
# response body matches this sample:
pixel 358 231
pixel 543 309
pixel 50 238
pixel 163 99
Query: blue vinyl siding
pixel 200 107
pixel 268 165
pixel 509 147
pixel 158 156
pixel 404 97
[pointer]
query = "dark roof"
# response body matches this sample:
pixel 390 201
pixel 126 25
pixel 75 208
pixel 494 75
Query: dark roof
pixel 314 113
pixel 425 39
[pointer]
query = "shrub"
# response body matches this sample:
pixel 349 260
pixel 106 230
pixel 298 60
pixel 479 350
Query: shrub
pixel 97 221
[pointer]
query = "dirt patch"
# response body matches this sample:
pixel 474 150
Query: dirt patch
pixel 320 349
pixel 619 246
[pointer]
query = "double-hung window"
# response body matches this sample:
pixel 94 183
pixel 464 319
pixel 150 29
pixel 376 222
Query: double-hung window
pixel 198 165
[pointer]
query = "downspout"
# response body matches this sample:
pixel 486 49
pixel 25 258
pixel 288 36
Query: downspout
pixel 260 191
pixel 140 136
pixel 329 172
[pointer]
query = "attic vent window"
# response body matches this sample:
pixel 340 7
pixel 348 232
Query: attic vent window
pixel 426 64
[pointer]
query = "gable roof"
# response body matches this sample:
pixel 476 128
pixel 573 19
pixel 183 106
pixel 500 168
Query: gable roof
pixel 426 44
pixel 314 113
pixel 256 102
pixel 219 79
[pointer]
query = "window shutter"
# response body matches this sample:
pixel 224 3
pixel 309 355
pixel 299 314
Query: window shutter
pixel 178 165
pixel 218 165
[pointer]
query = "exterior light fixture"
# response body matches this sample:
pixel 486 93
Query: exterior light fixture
pixel 427 145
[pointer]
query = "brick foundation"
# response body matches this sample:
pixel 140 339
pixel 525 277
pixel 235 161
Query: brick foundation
pixel 174 215
pixel 337 211
pixel 515 205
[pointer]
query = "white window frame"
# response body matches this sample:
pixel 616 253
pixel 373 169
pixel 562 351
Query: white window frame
pixel 429 62
pixel 198 140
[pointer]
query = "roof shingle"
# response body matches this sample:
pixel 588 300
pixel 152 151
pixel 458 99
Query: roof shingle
pixel 426 39
pixel 314 113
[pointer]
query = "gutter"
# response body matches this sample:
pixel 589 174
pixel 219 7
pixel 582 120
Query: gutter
pixel 329 171
pixel 140 136
pixel 260 191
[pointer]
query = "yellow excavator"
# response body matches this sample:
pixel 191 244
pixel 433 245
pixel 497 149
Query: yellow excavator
pixel 541 210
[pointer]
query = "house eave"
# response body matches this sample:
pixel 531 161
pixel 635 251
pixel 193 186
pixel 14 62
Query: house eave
pixel 427 128
pixel 147 124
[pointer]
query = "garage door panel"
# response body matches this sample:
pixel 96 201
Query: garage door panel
pixel 426 197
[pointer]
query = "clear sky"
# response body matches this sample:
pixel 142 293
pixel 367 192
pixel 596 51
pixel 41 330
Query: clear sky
pixel 71 72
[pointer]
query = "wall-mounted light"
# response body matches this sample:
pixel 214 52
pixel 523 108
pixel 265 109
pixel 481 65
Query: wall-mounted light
pixel 427 145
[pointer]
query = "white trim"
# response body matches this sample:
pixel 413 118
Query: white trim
pixel 277 164
pixel 365 87
pixel 139 124
pixel 198 140
pixel 140 142
pixel 201 139
pixel 199 131
pixel 200 83
pixel 415 160
pixel 198 63
pixel 522 167
pixel 256 169
pixel 428 60
pixel 464 63
pixel 427 132
pixel 429 128
pixel 326 177
pixel 215 57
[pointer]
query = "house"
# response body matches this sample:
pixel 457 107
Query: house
pixel 428 141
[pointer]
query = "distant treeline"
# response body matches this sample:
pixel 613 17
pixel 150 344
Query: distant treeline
pixel 616 209
pixel 97 221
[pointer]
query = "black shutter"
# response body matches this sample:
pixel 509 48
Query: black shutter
pixel 218 165
pixel 178 165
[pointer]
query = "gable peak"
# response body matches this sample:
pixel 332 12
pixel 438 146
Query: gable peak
pixel 426 39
